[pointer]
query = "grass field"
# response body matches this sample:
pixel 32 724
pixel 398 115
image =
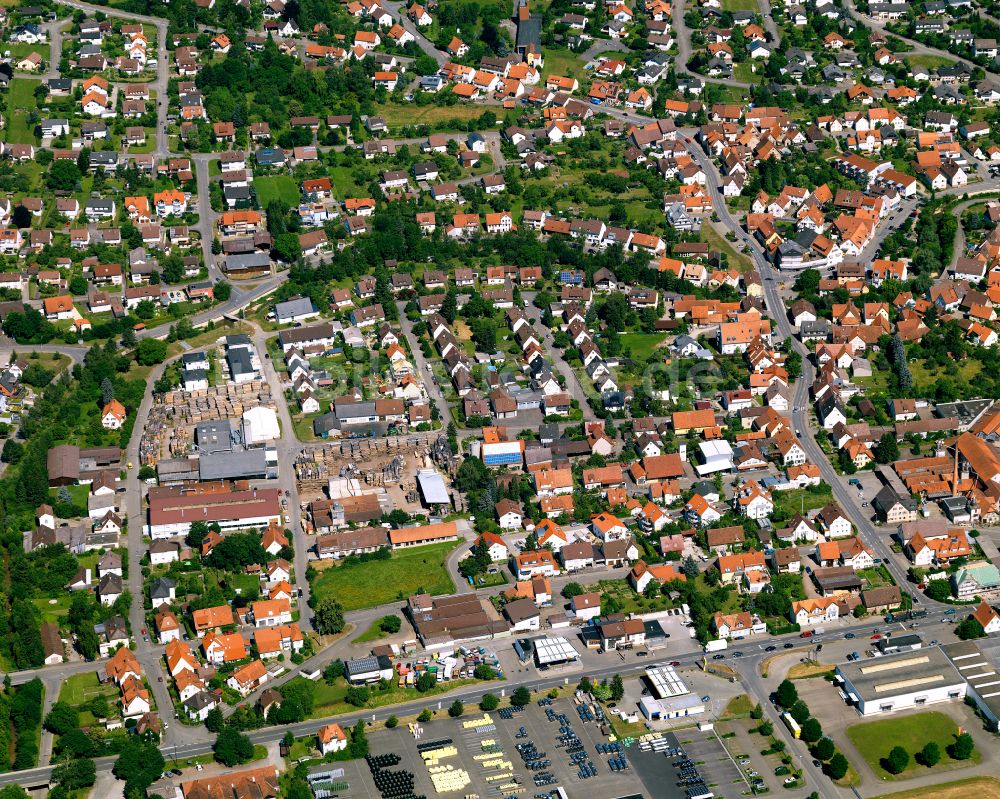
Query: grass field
pixel 801 671
pixel 277 187
pixel 737 260
pixel 20 103
pixel 744 72
pixel 80 688
pixel 740 5
pixel 874 739
pixel 929 61
pixel 373 633
pixel 799 500
pixel 400 114
pixel 980 787
pixel 924 379
pixel 329 699
pixel 52 609
pixel 641 345
pixel 407 572
pixel 739 707
pixel 564 63
pixel 342 178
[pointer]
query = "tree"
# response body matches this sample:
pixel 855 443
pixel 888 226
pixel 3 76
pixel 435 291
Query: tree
pixel 329 617
pixel 897 760
pixel 425 65
pixel 63 175
pixel 617 688
pixel 232 747
pixel 390 624
pixel 237 551
pixel 938 590
pixel 151 351
pixel 484 672
pixel 787 694
pixel 489 702
pixel 12 452
pixel 812 731
pixel 824 749
pixel 968 629
pixel 357 695
pixel 214 721
pixel 77 284
pixel 765 728
pixel 391 722
pixel 521 697
pixel 930 755
pixel 425 682
pixel 836 769
pixel 963 747
pixel 456 709
pixel 334 671
pixel 425 715
pixel 139 765
pixel 571 590
pixel 887 450
pixel 62 718
pixel 223 290
pixel 799 711
pixel 76 774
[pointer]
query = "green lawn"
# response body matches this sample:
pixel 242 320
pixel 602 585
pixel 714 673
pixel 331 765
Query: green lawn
pixel 743 72
pixel 739 707
pixel 277 187
pixel 20 103
pixel 80 688
pixel 344 182
pixel 737 260
pixel 564 63
pixel 640 345
pixel 981 787
pixel 740 5
pixel 378 582
pixel 800 500
pixel 373 633
pixel 874 739
pixel 929 62
pixel 52 609
pixel 439 116
pixel 329 699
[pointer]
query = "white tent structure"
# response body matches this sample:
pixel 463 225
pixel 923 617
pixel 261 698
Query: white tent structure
pixel 260 425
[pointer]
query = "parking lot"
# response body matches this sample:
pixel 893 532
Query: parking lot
pixel 475 744
pixel 553 734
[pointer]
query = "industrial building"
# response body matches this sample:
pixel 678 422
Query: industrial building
pixel 548 651
pixel 668 697
pixel 901 681
pixel 497 450
pixel 981 677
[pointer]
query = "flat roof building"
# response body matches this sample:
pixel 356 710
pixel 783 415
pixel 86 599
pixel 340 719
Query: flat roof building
pixel 901 681
pixel 981 677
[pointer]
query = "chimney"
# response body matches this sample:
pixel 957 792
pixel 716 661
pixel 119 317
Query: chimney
pixel 954 485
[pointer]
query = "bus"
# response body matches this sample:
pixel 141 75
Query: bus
pixel 792 724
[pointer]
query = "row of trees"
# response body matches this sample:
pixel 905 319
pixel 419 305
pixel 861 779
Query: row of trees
pixel 822 748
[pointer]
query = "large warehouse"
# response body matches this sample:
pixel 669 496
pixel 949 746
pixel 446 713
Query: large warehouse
pixel 897 682
pixel 982 677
